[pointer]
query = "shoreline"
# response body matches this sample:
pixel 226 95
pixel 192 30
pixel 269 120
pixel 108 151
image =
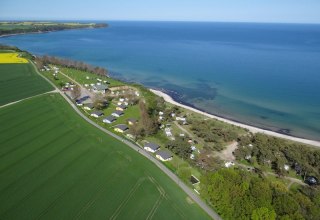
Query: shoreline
pixel 43 32
pixel 251 128
pixel 35 32
pixel 185 105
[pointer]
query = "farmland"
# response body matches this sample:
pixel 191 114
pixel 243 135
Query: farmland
pixel 11 58
pixel 54 165
pixel 18 81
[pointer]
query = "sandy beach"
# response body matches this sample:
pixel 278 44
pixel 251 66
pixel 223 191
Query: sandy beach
pixel 252 129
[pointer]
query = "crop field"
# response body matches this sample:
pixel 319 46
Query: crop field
pixel 18 81
pixel 54 165
pixel 12 58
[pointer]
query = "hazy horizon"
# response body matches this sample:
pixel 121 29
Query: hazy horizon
pixel 112 20
pixel 251 11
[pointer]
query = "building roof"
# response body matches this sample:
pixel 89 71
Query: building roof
pixel 164 154
pixel 122 106
pixel 122 127
pixel 133 120
pixel 110 118
pixel 100 87
pixel 97 113
pixel 152 146
pixel 118 112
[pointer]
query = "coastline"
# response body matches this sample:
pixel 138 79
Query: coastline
pixel 43 32
pixel 35 32
pixel 252 129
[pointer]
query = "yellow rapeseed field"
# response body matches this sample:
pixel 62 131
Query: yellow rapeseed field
pixel 11 58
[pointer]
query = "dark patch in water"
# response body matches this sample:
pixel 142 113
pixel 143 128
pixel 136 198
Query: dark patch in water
pixel 284 131
pixel 263 117
pixel 275 112
pixel 199 91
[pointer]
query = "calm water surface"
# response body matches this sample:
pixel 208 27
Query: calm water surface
pixel 267 75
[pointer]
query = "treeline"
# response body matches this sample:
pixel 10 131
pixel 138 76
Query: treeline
pixel 237 194
pixel 45 60
pixel 275 153
pixel 46 28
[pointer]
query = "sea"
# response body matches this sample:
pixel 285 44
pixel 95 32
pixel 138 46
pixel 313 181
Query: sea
pixel 265 75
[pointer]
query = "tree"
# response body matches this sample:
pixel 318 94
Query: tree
pixel 180 147
pixel 284 204
pixel 149 124
pixel 100 103
pixel 76 92
pixel 137 131
pixel 44 60
pixel 263 213
pixel 184 173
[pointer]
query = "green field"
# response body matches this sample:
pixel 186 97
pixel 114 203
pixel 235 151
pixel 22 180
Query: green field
pixel 54 165
pixel 19 81
pixel 80 77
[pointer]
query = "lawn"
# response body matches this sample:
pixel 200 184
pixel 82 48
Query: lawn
pixel 19 81
pixel 54 165
pixel 81 77
pixel 130 112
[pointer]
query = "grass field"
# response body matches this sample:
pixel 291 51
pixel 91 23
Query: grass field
pixel 54 165
pixel 80 77
pixel 11 58
pixel 18 81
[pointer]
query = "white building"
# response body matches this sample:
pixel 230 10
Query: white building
pixel 151 147
pixel 229 164
pixel 164 156
pixel 96 114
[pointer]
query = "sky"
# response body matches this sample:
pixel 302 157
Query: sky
pixel 274 11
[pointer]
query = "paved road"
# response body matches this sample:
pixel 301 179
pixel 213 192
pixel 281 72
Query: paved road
pixel 183 186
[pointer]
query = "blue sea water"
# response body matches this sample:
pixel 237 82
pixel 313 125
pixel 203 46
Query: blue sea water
pixel 267 75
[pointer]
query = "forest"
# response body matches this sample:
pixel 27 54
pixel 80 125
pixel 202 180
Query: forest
pixel 237 194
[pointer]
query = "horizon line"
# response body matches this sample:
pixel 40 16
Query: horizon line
pixel 125 20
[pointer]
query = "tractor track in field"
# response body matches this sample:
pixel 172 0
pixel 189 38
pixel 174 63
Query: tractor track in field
pixel 11 103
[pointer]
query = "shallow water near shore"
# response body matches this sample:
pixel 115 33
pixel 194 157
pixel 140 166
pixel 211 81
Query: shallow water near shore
pixel 266 75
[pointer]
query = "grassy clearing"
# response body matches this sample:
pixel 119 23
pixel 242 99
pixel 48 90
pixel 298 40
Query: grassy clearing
pixel 54 165
pixel 81 77
pixel 18 81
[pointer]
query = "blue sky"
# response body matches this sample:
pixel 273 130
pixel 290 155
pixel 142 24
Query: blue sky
pixel 284 11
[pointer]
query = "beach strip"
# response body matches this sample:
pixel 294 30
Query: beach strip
pixel 252 129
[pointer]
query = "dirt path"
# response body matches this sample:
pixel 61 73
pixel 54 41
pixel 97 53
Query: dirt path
pixel 184 130
pixel 84 91
pixel 291 179
pixel 227 154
